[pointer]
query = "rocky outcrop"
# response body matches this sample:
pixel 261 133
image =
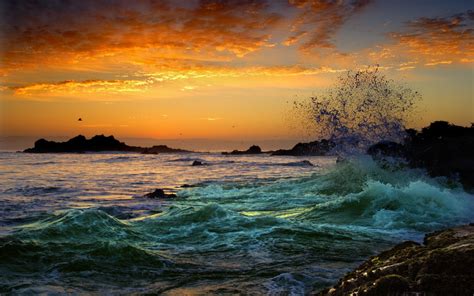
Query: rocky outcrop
pixel 442 265
pixel 443 149
pixel 97 143
pixel 197 163
pixel 81 144
pixel 159 193
pixel 316 148
pixel 162 149
pixel 252 150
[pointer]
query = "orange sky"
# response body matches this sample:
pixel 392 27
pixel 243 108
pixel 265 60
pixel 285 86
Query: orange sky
pixel 218 69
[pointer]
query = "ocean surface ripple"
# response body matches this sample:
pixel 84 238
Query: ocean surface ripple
pixel 75 223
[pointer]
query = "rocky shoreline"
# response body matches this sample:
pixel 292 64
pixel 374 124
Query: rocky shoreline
pixel 442 265
pixel 442 149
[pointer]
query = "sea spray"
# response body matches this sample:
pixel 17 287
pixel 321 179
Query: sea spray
pixel 255 236
pixel 362 108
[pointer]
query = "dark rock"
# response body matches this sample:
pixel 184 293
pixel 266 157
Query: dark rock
pixel 443 149
pixel 159 193
pixel 252 150
pixel 80 144
pixel 387 148
pixel 442 266
pixel 316 148
pixel 197 163
pixel 303 163
pixel 391 284
pixel 162 149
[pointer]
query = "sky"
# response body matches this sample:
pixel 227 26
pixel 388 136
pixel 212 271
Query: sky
pixel 219 70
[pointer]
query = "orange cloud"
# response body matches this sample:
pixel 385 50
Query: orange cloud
pixel 433 41
pixel 142 81
pixel 78 87
pixel 51 33
pixel 319 20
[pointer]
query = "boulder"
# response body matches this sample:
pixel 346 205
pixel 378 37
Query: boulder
pixel 159 193
pixel 443 149
pixel 254 149
pixel 442 265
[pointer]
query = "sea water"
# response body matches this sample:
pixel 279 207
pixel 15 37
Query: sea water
pixel 77 223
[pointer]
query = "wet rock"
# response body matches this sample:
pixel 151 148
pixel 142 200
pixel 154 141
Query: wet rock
pixel 387 148
pixel 159 193
pixel 197 163
pixel 443 265
pixel 303 163
pixel 252 150
pixel 443 149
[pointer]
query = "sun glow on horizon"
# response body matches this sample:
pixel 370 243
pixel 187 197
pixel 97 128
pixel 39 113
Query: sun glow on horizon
pixel 217 69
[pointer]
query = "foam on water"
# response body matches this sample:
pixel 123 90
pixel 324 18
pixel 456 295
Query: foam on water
pixel 262 227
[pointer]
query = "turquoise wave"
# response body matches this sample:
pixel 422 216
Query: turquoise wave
pixel 286 236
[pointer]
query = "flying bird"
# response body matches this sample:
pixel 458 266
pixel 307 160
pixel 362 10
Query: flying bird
pixel 80 119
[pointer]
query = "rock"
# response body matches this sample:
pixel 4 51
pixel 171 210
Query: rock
pixel 159 193
pixel 81 144
pixel 303 163
pixel 443 265
pixel 197 163
pixel 252 150
pixel 162 149
pixel 99 143
pixel 443 149
pixel 316 148
pixel 387 148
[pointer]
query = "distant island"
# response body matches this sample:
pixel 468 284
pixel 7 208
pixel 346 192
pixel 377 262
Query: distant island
pixel 99 143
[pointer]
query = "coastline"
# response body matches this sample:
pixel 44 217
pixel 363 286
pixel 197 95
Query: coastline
pixel 442 265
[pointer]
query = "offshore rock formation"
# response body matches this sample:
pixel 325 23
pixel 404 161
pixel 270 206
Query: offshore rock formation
pixel 97 143
pixel 252 150
pixel 443 149
pixel 81 144
pixel 316 148
pixel 443 265
pixel 159 193
pixel 162 149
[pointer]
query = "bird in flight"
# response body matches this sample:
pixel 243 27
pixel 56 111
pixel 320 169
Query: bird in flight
pixel 80 119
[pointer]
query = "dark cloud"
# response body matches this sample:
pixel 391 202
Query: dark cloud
pixel 441 39
pixel 321 19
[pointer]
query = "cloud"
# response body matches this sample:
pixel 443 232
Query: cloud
pixel 319 20
pixel 208 71
pixel 188 88
pixel 52 32
pixel 433 41
pixel 143 81
pixel 81 87
pixel 439 63
pixel 212 118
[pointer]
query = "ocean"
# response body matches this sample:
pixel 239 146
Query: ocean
pixel 250 224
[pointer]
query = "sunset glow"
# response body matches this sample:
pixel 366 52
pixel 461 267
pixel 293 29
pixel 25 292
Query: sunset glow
pixel 219 69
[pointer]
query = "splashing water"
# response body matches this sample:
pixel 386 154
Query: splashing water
pixel 362 108
pixel 255 225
